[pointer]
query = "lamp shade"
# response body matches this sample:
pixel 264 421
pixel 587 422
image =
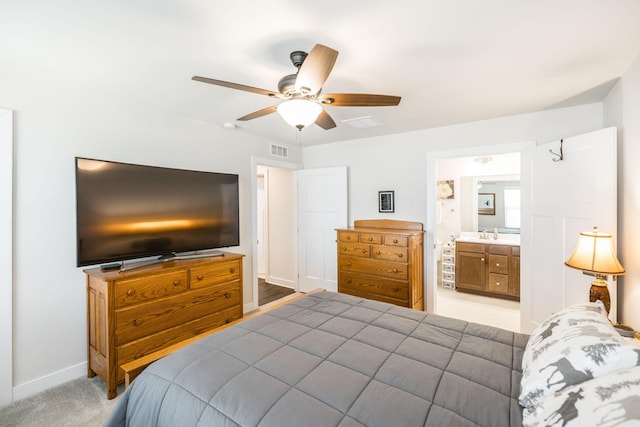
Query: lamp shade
pixel 594 252
pixel 299 112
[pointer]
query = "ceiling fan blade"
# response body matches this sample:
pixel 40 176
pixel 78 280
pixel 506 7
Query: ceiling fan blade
pixel 258 113
pixel 358 100
pixel 315 69
pixel 235 86
pixel 325 121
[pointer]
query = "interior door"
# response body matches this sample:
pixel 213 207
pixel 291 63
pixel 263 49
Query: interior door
pixel 322 207
pixel 560 198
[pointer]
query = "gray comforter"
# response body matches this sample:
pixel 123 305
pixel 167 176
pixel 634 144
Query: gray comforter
pixel 334 360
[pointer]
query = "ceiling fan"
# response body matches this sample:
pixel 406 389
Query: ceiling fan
pixel 303 101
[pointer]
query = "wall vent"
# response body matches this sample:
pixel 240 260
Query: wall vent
pixel 280 151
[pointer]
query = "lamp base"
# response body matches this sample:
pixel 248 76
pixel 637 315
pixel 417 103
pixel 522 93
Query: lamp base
pixel 599 291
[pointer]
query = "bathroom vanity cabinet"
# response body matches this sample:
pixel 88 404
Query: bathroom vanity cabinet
pixel 488 269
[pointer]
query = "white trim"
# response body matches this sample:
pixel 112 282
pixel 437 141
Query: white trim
pixel 48 381
pixel 6 257
pixel 255 161
pixel 431 279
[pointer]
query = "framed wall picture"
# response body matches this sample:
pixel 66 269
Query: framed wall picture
pixel 386 202
pixel 486 204
pixel 445 189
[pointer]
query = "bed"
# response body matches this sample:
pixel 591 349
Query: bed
pixel 331 359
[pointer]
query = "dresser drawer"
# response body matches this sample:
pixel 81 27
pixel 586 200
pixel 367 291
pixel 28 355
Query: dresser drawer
pixel 499 264
pixel 132 291
pixel 396 240
pixel 391 253
pixel 214 274
pixel 354 249
pixel 146 345
pixel 373 285
pixel 145 319
pixel 371 238
pixel 348 236
pixel 394 270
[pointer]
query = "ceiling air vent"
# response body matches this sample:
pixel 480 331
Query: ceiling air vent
pixel 363 122
pixel 279 151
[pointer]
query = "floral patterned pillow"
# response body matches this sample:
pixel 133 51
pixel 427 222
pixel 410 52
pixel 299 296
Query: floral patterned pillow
pixel 572 346
pixel 612 399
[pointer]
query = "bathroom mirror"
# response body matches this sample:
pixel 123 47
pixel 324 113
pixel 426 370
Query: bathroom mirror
pixel 489 202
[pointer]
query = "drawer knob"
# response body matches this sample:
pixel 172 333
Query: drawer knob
pixel 378 252
pixel 232 270
pixel 349 264
pixel 176 282
pixel 482 259
pixel 400 255
pixel 349 280
pixel 395 240
pixel 137 322
pixel 371 239
pixel 200 277
pixel 396 289
pixel 130 292
pixel 395 270
pixel 364 251
pixel 348 237
pixel 344 249
pixel 227 295
pixel 497 264
pixel 497 283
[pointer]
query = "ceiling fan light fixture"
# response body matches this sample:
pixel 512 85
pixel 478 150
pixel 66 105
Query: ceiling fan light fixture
pixel 299 113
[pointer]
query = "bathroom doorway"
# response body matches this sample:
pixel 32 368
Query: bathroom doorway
pixel 457 180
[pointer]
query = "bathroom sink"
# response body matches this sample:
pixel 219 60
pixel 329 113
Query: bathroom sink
pixel 503 239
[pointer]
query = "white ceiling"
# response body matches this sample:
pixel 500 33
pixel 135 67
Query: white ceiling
pixel 451 61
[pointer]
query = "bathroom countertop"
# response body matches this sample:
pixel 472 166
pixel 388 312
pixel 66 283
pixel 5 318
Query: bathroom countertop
pixel 503 239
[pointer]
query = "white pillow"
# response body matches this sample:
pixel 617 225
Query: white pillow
pixel 573 345
pixel 612 399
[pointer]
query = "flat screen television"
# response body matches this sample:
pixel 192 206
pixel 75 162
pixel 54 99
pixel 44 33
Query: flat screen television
pixel 127 211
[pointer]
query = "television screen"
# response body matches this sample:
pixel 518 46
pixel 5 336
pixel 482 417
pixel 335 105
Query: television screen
pixel 126 211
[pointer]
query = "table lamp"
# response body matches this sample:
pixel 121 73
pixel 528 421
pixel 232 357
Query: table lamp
pixel 595 256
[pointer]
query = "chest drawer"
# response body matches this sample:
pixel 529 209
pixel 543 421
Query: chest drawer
pixel 132 291
pixel 396 240
pixel 469 247
pixel 373 285
pixel 200 277
pixel 498 249
pixel 391 269
pixel 348 236
pixel 391 253
pixel 354 249
pixel 372 238
pixel 498 283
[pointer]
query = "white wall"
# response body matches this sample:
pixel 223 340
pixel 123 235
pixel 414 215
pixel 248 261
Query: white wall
pixel 55 121
pixel 622 109
pixel 397 162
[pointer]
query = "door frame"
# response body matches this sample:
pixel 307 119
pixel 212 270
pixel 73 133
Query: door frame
pixel 431 264
pixel 6 257
pixel 255 162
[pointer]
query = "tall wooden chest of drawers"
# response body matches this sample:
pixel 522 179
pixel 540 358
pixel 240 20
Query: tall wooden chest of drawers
pixel 133 313
pixel 383 260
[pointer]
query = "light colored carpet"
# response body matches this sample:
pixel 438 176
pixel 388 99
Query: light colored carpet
pixel 81 402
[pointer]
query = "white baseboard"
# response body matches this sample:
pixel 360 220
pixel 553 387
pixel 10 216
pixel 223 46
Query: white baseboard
pixel 281 282
pixel 48 381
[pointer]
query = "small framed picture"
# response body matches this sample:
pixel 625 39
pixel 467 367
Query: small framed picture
pixel 385 202
pixel 486 204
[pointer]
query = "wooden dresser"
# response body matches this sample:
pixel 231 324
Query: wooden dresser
pixel 488 269
pixel 383 260
pixel 131 314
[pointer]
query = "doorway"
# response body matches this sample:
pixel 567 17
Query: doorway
pixel 449 216
pixel 276 234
